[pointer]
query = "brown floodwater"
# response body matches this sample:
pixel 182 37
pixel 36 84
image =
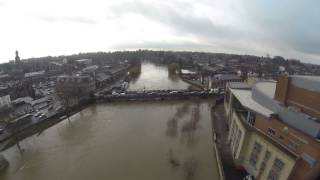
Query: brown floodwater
pixel 136 141
pixel 156 77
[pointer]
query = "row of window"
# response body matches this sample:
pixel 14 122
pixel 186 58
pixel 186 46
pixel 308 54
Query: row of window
pixel 235 138
pixel 291 144
pixel 276 168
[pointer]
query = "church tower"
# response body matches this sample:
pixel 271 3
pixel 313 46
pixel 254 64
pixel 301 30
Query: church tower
pixel 17 58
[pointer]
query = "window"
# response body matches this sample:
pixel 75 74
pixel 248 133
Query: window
pixel 237 141
pixel 292 145
pixel 227 96
pixel 275 169
pixel 255 154
pixel 266 158
pixel 271 132
pixel 233 135
pixel 251 118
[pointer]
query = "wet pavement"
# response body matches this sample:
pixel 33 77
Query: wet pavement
pixel 221 130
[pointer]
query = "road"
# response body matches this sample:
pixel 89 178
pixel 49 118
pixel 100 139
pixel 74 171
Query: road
pixel 221 130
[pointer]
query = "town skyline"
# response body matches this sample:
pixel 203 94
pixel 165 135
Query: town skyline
pixel 41 28
pixel 155 50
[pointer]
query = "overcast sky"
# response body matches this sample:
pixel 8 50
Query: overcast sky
pixel 289 28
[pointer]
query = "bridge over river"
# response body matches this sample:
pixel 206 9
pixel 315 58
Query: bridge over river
pixel 156 95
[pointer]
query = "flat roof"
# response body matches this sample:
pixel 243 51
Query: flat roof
pixel 239 85
pixel 268 88
pixel 90 68
pixel 244 96
pixel 311 83
pixel 4 76
pixel 226 77
pixel 102 76
pixel 263 93
pixel 31 74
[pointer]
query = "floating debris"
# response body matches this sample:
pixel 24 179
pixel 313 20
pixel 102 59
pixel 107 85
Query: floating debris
pixel 174 161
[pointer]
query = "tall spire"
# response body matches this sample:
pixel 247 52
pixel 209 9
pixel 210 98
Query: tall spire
pixel 17 58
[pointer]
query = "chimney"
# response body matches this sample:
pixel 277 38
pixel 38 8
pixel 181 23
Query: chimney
pixel 282 88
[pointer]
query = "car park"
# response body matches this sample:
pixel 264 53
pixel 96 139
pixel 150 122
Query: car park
pixel 42 116
pixel 38 114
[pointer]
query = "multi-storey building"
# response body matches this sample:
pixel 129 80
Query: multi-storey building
pixel 81 85
pixel 5 102
pixel 274 127
pixel 220 80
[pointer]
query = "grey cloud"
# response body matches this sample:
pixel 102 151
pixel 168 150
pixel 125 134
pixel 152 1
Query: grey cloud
pixel 288 24
pixel 188 24
pixel 162 45
pixel 293 22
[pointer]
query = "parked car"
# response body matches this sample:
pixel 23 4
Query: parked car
pixel 50 108
pixel 42 116
pixel 38 114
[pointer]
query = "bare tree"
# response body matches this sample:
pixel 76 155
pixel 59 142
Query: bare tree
pixel 66 101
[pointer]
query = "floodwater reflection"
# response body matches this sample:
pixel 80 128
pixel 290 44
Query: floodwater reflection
pixel 172 123
pixel 156 77
pixel 119 141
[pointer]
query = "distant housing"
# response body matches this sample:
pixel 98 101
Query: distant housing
pixel 86 62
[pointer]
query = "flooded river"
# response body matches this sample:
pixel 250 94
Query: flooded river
pixel 136 141
pixel 156 77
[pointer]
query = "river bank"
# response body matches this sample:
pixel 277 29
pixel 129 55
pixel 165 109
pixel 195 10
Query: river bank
pixel 39 126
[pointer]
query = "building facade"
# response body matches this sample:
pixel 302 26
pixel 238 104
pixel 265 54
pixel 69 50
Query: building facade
pixel 75 85
pixel 220 80
pixel 274 127
pixel 5 102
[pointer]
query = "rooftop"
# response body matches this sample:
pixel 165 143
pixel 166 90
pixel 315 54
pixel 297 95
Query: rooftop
pixel 115 70
pixel 102 76
pixel 263 93
pixel 260 100
pixel 212 69
pixel 4 76
pixel 225 77
pixel 244 96
pixel 56 63
pixel 26 99
pixel 84 61
pixel 33 74
pixel 90 68
pixel 239 85
pixel 311 83
pixel 268 88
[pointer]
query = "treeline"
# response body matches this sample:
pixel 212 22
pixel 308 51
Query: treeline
pixel 185 57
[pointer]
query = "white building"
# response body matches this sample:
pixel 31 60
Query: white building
pixel 5 102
